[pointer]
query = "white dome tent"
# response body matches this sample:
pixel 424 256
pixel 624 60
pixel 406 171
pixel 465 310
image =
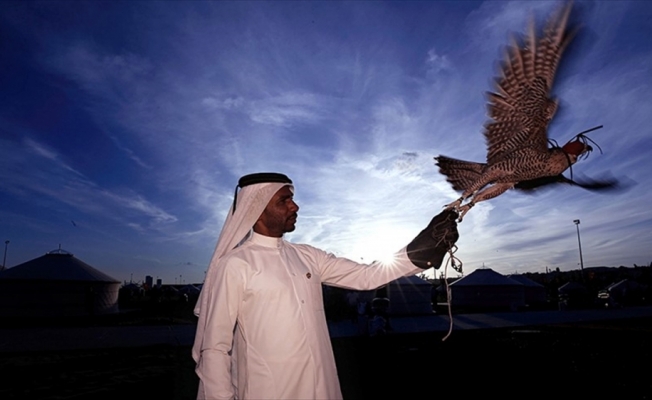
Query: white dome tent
pixel 57 285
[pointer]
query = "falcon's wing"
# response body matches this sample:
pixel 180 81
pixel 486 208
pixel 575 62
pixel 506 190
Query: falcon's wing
pixel 520 107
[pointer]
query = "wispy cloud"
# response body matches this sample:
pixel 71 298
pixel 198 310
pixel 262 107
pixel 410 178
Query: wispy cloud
pixel 49 154
pixel 55 180
pixel 436 62
pixel 130 153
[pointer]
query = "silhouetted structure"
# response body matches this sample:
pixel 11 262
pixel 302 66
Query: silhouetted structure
pixel 486 289
pixel 627 292
pixel 409 295
pixel 574 295
pixel 535 293
pixel 57 285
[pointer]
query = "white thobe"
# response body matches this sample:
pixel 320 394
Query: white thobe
pixel 266 335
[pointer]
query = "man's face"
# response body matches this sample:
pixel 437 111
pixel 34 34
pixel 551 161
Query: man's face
pixel 279 216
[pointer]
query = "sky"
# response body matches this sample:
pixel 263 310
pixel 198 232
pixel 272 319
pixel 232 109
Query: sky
pixel 124 127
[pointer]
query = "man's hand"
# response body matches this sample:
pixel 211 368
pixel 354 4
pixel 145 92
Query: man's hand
pixel 429 248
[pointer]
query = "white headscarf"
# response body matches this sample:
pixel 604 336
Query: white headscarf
pixel 250 204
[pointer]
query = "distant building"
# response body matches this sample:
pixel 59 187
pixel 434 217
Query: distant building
pixel 573 295
pixel 410 295
pixel 535 293
pixel 626 292
pixel 57 285
pixel 486 289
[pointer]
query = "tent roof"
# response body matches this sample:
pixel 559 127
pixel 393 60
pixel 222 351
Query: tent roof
pixel 524 280
pixel 625 283
pixel 485 277
pixel 572 286
pixel 56 265
pixel 616 284
pixel 412 280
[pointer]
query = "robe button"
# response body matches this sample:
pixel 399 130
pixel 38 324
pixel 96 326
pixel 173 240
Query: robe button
pixel 308 275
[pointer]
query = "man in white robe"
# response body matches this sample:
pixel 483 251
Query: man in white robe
pixel 262 331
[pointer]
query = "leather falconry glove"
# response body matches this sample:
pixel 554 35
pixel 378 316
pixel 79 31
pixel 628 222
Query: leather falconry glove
pixel 430 246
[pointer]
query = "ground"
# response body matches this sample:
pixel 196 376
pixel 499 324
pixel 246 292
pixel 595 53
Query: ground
pixel 594 359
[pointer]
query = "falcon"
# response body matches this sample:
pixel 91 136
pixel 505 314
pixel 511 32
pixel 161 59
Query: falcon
pixel 519 153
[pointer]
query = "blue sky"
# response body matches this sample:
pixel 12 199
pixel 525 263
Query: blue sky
pixel 124 127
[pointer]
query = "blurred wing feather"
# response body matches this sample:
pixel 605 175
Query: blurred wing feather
pixel 520 108
pixel 607 183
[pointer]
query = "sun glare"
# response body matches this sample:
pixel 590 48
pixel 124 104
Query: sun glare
pixel 381 246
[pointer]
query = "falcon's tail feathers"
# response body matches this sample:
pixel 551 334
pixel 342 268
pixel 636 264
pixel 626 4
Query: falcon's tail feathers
pixel 461 174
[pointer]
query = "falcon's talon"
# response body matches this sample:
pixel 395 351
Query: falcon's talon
pixel 454 205
pixel 463 210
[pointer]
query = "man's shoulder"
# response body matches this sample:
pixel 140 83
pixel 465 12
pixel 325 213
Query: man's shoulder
pixel 238 253
pixel 246 251
pixel 306 248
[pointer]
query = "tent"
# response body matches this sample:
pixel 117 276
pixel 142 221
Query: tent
pixel 409 295
pixel 487 289
pixel 626 292
pixel 573 295
pixel 535 293
pixel 57 285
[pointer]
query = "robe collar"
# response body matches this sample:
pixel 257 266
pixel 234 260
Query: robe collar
pixel 266 241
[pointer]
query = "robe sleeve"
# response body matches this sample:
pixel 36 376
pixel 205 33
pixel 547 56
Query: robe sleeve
pixel 216 340
pixel 345 273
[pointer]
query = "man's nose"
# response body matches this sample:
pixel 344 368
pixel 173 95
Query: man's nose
pixel 295 206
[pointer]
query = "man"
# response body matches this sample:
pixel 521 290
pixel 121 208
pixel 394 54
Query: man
pixel 262 330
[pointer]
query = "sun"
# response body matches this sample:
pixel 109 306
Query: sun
pixel 381 245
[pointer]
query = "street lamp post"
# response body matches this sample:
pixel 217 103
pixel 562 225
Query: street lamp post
pixel 579 242
pixel 4 259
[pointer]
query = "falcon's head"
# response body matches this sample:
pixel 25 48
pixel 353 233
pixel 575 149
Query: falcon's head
pixel 579 147
pixel 576 149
